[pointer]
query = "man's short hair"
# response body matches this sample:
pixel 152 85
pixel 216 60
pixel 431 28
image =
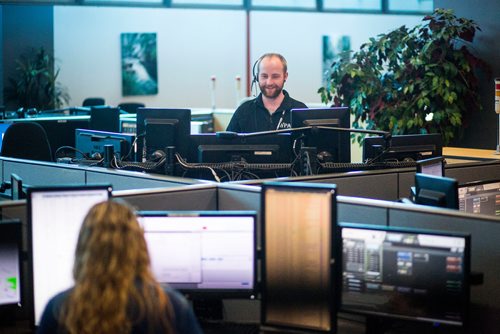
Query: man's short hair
pixel 272 55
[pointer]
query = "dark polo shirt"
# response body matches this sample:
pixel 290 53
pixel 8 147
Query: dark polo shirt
pixel 252 116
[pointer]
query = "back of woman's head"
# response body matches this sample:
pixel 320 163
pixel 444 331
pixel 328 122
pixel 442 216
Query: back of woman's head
pixel 111 245
pixel 112 275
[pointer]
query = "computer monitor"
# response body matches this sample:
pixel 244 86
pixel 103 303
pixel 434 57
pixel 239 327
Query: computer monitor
pixel 331 145
pixel 209 148
pixel 407 274
pixel 480 197
pixel 241 157
pixel 105 118
pixel 403 148
pixel 90 142
pixel 55 215
pixel 160 128
pixel 436 191
pixel 299 236
pixel 10 263
pixel 203 253
pixel 431 166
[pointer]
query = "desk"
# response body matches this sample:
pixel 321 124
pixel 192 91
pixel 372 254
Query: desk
pixel 470 153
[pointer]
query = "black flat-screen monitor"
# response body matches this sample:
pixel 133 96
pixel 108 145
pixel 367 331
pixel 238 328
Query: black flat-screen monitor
pixel 299 237
pixel 402 148
pixel 203 253
pixel 241 157
pixel 480 197
pixel 10 263
pixel 105 118
pixel 55 215
pixel 90 142
pixel 331 145
pixel 405 274
pixel 210 148
pixel 431 166
pixel 436 191
pixel 160 128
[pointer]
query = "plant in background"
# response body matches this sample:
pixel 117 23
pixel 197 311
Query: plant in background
pixel 411 81
pixel 35 85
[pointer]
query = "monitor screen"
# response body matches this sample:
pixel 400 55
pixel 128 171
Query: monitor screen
pixel 208 253
pixel 298 280
pixel 55 215
pixel 480 197
pixel 10 263
pixel 431 166
pixel 105 118
pixel 407 274
pixel 331 145
pixel 158 129
pixel 90 142
pixel 436 191
pixel 403 148
pixel 240 157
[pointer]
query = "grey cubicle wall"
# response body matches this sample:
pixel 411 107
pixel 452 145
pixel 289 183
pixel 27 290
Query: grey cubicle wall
pixel 191 197
pixel 463 172
pixel 122 180
pixel 380 184
pixel 37 173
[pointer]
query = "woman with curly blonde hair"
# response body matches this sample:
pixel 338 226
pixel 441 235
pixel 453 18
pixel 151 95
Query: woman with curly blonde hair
pixel 115 291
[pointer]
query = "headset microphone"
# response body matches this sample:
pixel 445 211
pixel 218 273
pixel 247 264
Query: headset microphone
pixel 255 79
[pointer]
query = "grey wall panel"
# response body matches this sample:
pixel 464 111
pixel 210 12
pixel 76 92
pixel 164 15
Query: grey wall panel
pixel 140 181
pixel 382 186
pixel 175 199
pixel 405 181
pixel 40 174
pixel 361 214
pixel 485 255
pixel 483 171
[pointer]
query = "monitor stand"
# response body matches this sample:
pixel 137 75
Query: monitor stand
pixel 377 325
pixel 208 310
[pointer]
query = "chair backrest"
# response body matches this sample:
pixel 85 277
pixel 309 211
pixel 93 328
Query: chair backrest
pixel 93 101
pixel 26 140
pixel 131 107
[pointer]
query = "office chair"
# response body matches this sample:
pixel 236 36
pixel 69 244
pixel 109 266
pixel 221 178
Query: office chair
pixel 131 107
pixel 26 140
pixel 93 101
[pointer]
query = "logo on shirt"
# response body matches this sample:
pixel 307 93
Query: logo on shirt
pixel 284 125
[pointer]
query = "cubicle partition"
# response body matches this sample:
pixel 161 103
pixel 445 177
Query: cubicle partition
pixel 38 173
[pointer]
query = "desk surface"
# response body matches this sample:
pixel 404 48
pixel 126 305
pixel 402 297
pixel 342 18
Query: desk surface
pixel 470 153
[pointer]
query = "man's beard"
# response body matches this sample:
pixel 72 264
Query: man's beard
pixel 272 93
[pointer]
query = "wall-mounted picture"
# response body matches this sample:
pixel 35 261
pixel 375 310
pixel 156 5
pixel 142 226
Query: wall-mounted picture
pixel 139 64
pixel 334 47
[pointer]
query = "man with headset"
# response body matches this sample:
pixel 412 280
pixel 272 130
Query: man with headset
pixel 270 110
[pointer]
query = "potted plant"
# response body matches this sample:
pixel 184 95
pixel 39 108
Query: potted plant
pixel 411 81
pixel 35 85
